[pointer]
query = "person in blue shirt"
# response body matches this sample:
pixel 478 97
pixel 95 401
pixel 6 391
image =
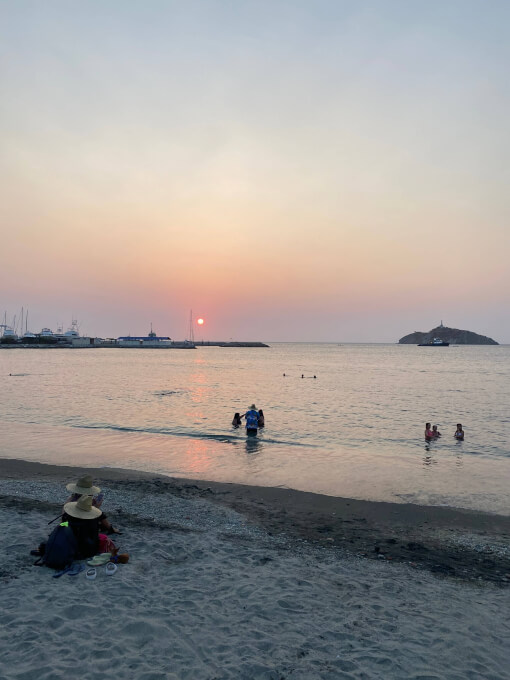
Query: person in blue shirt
pixel 252 421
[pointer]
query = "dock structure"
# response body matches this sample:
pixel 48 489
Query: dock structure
pixel 125 342
pixel 231 343
pixel 152 341
pixel 46 339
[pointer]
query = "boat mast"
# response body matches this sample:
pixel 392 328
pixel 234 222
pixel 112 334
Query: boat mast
pixel 191 330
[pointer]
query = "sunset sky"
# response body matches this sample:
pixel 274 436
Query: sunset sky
pixel 321 170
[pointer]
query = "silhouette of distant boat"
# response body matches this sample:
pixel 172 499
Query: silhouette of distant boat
pixel 436 342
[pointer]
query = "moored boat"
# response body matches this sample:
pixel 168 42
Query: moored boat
pixel 435 342
pixel 72 331
pixel 9 334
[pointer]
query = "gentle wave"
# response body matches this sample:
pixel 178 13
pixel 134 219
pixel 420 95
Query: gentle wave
pixel 225 438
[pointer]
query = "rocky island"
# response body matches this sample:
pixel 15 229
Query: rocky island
pixel 452 335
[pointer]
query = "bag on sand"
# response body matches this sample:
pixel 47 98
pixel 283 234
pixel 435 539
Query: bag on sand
pixel 60 548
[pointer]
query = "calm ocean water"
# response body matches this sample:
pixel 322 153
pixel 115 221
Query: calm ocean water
pixel 355 431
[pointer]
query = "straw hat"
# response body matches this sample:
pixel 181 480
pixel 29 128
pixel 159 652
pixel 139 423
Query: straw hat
pixel 82 508
pixel 84 486
pixel 253 407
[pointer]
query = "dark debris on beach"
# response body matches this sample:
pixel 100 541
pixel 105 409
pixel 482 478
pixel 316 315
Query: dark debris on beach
pixel 420 537
pixel 448 542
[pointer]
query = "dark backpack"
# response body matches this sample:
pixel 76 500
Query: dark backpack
pixel 60 549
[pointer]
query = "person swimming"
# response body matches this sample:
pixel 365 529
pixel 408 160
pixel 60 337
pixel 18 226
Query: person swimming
pixel 261 418
pixel 459 432
pixel 236 420
pixel 429 434
pixel 435 432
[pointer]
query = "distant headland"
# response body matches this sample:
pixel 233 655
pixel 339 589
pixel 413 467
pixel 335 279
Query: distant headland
pixel 452 335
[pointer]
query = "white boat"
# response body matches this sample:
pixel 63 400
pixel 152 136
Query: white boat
pixel 152 340
pixel 10 333
pixel 72 331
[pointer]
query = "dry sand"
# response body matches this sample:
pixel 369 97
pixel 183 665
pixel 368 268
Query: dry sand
pixel 227 581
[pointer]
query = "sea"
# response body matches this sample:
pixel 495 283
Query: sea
pixel 341 419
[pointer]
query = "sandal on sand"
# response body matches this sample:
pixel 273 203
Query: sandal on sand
pixel 91 574
pixel 99 560
pixel 60 573
pixel 111 568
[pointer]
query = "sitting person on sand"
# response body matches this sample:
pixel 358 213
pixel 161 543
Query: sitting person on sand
pixel 261 418
pixel 236 421
pixel 435 432
pixel 85 521
pixel 83 518
pixel 459 433
pixel 428 432
pixel 84 487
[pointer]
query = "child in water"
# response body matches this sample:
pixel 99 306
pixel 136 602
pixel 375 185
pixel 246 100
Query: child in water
pixel 236 421
pixel 459 433
pixel 429 434
pixel 261 418
pixel 435 432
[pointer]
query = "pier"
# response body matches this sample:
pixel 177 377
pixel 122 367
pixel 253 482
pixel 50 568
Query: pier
pixel 99 343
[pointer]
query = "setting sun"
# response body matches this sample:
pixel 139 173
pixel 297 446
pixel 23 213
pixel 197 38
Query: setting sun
pixel 200 322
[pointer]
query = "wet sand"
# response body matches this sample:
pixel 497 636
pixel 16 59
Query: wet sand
pixel 458 543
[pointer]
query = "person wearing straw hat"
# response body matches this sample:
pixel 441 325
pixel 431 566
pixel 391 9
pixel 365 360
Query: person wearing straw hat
pixel 85 521
pixel 83 508
pixel 85 487
pixel 82 517
pixel 252 421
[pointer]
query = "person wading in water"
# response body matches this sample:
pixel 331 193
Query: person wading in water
pixel 252 421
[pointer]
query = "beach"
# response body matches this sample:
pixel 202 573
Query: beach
pixel 237 581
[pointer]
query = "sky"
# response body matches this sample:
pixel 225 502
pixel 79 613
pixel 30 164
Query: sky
pixel 320 170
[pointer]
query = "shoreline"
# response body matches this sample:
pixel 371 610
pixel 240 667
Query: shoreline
pixel 459 543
